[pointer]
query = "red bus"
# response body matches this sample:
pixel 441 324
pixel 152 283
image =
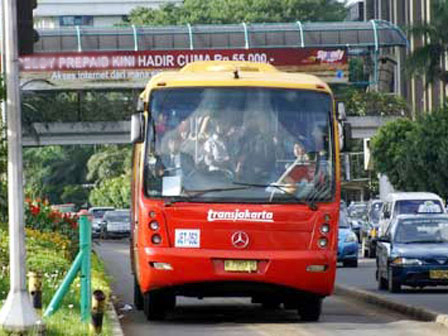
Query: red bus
pixel 235 188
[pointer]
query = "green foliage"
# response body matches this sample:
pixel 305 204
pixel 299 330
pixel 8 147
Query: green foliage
pixel 40 216
pixel 361 103
pixel 389 148
pixel 111 161
pixel 49 254
pixel 57 173
pixel 237 11
pixel 411 154
pixel 114 191
pixel 428 59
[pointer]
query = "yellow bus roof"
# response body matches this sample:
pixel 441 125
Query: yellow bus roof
pixel 231 74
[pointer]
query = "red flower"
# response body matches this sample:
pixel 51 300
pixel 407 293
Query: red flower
pixel 35 210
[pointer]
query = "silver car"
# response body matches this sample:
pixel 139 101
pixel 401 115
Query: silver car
pixel 116 223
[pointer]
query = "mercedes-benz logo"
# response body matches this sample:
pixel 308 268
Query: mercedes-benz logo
pixel 240 239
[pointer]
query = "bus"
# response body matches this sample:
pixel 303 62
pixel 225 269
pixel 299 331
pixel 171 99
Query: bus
pixel 235 188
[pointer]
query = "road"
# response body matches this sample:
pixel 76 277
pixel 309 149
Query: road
pixel 363 277
pixel 235 316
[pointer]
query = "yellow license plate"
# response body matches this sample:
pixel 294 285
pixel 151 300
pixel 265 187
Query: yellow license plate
pixel 438 274
pixel 240 266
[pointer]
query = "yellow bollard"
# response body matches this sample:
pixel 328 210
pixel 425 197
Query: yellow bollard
pixel 35 290
pixel 98 307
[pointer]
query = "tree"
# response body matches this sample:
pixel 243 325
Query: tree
pixel 413 153
pixel 110 169
pixel 54 171
pixel 361 103
pixel 114 191
pixel 237 11
pixel 428 59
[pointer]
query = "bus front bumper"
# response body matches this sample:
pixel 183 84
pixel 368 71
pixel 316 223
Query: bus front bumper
pixel 305 271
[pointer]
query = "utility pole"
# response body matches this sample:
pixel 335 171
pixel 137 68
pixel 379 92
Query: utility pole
pixel 17 314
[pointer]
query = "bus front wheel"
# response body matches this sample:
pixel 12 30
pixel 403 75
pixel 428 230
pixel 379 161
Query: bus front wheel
pixel 138 297
pixel 156 305
pixel 310 309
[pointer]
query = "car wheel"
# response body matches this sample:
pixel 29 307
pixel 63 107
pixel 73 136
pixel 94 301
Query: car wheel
pixel 310 309
pixel 350 263
pixel 138 297
pixel 382 283
pixel 394 285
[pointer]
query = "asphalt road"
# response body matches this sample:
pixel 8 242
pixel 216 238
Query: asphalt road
pixel 235 316
pixel 363 277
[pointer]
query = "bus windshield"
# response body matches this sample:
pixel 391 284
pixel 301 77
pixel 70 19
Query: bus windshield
pixel 245 144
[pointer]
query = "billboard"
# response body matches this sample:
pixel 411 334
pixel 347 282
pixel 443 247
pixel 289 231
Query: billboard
pixel 138 66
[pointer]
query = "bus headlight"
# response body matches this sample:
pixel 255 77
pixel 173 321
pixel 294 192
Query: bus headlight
pixel 322 242
pixel 154 225
pixel 156 239
pixel 325 228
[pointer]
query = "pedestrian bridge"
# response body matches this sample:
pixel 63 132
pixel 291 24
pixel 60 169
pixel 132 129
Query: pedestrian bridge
pixel 82 83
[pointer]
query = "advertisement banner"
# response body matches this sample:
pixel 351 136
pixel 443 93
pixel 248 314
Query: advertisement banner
pixel 138 66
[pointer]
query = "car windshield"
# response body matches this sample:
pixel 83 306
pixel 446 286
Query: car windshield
pixel 99 213
pixel 403 207
pixel 240 145
pixel 375 212
pixel 422 230
pixel 118 217
pixel 358 211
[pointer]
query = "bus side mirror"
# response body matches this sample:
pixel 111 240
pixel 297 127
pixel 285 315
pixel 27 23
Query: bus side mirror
pixel 137 128
pixel 340 109
pixel 345 134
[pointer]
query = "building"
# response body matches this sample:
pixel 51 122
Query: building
pixel 423 97
pixel 63 13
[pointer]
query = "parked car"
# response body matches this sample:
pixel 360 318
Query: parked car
pixel 413 252
pixel 347 242
pixel 371 234
pixel 116 223
pixel 97 213
pixel 401 203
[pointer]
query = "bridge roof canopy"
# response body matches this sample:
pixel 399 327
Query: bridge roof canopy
pixel 372 34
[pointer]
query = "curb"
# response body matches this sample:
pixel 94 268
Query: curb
pixel 414 312
pixel 114 321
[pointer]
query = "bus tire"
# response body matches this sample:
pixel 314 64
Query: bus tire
pixel 270 304
pixel 153 306
pixel 138 297
pixel 310 309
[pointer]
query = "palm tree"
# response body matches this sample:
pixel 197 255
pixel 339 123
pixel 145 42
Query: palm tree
pixel 428 59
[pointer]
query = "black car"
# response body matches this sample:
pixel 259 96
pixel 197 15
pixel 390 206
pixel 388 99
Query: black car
pixel 413 252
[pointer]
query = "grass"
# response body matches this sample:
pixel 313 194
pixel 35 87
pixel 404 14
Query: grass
pixel 50 254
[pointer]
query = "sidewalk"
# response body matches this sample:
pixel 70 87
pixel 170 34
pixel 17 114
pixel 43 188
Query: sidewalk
pixel 429 304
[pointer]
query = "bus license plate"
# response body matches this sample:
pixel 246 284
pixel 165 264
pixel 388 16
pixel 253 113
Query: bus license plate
pixel 438 274
pixel 240 266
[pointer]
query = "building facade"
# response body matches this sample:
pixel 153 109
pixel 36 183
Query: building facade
pixel 96 13
pixel 421 95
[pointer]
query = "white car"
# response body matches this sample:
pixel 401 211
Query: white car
pixel 402 203
pixel 116 223
pixel 97 214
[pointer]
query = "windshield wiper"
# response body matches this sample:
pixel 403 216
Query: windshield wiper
pixel 201 192
pixel 424 242
pixel 311 205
